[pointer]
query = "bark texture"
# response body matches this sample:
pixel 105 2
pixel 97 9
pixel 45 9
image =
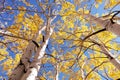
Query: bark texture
pixel 32 72
pixel 24 64
pixel 112 27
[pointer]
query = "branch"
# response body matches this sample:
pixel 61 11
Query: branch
pixel 94 69
pixel 114 16
pixel 111 57
pixel 114 28
pixel 101 30
pixel 10 35
pixel 35 43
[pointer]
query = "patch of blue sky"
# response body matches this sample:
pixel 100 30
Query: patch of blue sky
pixel 77 23
pixel 88 52
pixel 11 53
pixel 6 19
pixel 65 46
pixel 3 61
pixel 103 75
pixel 2 38
pixel 3 73
pixel 117 39
pixel 100 10
pixel 46 68
pixel 72 1
pixel 35 6
pixel 63 75
pixel 75 68
pixel 50 47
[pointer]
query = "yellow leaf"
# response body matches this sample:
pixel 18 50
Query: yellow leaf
pixel 84 28
pixel 8 7
pixel 20 17
pixel 114 73
pixel 78 35
pixel 63 69
pixel 102 36
pixel 96 5
pixel 42 78
pixel 21 8
pixel 17 58
pixel 99 1
pixel 111 3
pixel 52 60
pixel 8 64
pixel 26 2
pixel 67 6
pixel 69 63
pixel 86 11
pixel 3 54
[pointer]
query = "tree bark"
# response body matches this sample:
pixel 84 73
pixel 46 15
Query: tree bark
pixel 57 72
pixel 112 27
pixel 111 57
pixel 25 59
pixel 32 72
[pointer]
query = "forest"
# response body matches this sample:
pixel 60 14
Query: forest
pixel 59 39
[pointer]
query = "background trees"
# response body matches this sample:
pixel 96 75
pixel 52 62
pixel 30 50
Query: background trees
pixel 58 39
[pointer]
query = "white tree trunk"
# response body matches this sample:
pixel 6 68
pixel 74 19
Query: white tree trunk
pixel 32 72
pixel 114 28
pixel 57 72
pixel 24 63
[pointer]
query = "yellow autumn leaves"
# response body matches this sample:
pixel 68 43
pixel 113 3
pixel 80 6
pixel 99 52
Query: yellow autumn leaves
pixel 9 7
pixel 3 54
pixel 32 22
pixel 108 3
pixel 9 63
pixel 25 26
pixel 69 16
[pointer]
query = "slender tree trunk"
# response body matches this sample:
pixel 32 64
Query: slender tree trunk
pixel 110 56
pixel 32 72
pixel 112 59
pixel 57 72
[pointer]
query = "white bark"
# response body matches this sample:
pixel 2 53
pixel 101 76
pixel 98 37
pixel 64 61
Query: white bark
pixel 114 28
pixel 35 65
pixel 21 68
pixel 57 72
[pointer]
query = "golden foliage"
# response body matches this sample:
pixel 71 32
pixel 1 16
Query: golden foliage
pixel 3 54
pixel 9 7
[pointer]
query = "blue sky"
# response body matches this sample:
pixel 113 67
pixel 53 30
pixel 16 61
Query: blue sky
pixel 65 45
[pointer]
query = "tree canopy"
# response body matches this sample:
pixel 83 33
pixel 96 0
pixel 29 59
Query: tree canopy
pixel 59 39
